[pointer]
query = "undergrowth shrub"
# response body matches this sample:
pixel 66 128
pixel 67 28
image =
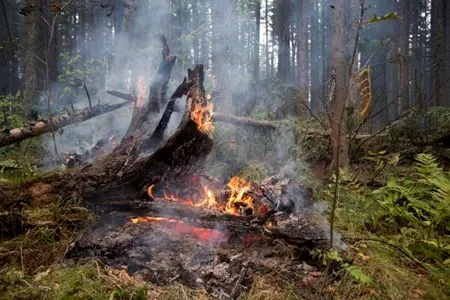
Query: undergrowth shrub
pixel 420 130
pixel 411 208
pixel 419 204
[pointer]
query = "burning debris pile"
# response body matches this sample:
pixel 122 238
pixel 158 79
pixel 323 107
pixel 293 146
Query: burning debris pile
pixel 212 238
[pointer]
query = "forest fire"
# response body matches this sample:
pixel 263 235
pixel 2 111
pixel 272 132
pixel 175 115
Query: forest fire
pixel 238 201
pixel 181 228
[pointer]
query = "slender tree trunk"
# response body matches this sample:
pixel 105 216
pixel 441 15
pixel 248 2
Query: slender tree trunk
pixel 316 62
pixel 205 57
pixel 325 53
pixel 353 31
pixel 123 42
pixel 256 41
pixel 196 40
pixel 302 54
pixel 447 51
pixel 221 10
pixel 8 58
pixel 439 13
pixel 266 23
pixel 404 57
pixel 338 127
pixel 283 15
pixel 34 57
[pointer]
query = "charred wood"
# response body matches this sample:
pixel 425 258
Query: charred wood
pixel 157 136
pixel 143 114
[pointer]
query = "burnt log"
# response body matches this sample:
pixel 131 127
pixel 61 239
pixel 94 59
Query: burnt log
pixel 38 127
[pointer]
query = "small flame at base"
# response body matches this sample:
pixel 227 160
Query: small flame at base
pixel 239 202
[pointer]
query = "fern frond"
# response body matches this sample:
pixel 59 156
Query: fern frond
pixel 9 164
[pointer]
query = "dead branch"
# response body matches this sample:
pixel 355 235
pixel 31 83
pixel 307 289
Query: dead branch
pixel 244 121
pixel 121 95
pixel 15 135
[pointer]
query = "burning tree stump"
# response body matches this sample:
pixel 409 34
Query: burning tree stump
pixel 123 171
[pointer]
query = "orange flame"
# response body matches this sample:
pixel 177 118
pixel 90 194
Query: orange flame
pixel 202 116
pixel 238 198
pixel 141 92
pixel 150 191
pixel 209 200
pixel 182 228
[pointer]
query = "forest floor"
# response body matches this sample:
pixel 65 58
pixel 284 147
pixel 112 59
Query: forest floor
pixel 381 261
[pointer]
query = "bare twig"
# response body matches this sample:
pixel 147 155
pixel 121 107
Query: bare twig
pixel 235 290
pixel 87 94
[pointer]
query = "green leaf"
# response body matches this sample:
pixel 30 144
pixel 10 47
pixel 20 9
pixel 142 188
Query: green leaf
pixel 357 274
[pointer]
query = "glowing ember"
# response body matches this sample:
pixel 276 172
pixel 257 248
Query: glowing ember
pixel 202 115
pixel 150 191
pixel 239 199
pixel 152 219
pixel 174 198
pixel 181 228
pixel 141 92
pixel 249 240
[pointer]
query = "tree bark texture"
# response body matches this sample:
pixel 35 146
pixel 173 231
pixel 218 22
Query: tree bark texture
pixel 339 95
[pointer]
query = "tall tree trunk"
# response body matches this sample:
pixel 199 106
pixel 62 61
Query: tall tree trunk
pixel 282 20
pixel 121 58
pixel 439 13
pixel 266 24
pixel 302 54
pixel 325 50
pixel 316 61
pixel 34 57
pixel 256 41
pixel 221 11
pixel 404 57
pixel 196 40
pixel 8 59
pixel 204 21
pixel 353 28
pixel 447 51
pixel 338 124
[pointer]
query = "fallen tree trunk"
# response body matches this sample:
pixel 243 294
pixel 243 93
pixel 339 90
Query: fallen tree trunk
pixel 15 135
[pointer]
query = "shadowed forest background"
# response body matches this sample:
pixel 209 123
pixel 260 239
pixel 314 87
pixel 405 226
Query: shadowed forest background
pixel 354 94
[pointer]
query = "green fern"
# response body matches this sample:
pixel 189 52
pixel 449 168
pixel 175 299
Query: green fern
pixel 423 198
pixel 8 164
pixel 17 169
